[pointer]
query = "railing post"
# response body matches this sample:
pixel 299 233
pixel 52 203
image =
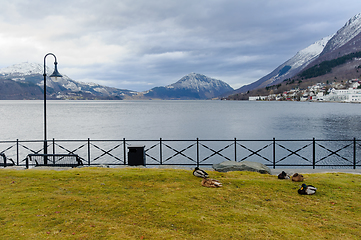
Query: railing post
pixel 314 153
pixel 354 153
pixel 124 152
pixel 53 146
pixel 160 151
pixel 89 151
pixel 235 149
pixel 274 153
pixel 53 150
pixel 197 152
pixel 17 152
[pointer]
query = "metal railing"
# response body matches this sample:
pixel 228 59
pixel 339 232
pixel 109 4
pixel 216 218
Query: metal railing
pixel 198 152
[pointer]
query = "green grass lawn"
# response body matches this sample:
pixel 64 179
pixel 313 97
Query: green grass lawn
pixel 139 203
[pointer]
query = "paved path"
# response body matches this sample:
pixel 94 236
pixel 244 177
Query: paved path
pixel 289 171
pixel 277 171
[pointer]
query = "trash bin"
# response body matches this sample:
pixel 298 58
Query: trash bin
pixel 136 155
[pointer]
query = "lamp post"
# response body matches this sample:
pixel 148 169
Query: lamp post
pixel 55 75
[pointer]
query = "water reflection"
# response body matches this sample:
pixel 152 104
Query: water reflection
pixel 341 126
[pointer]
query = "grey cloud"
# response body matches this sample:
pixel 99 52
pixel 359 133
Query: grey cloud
pixel 141 44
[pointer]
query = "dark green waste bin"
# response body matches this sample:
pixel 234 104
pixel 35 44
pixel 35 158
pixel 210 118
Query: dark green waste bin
pixel 136 155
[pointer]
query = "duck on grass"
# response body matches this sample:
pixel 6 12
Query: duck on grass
pixel 206 182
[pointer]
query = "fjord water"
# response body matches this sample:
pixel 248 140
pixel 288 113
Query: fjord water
pixel 179 120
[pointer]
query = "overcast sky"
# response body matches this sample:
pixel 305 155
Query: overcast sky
pixel 141 44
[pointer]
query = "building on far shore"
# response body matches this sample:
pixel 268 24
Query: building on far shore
pixel 257 98
pixel 334 92
pixel 344 95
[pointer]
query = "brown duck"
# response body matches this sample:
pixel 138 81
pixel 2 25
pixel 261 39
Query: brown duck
pixel 207 182
pixel 297 177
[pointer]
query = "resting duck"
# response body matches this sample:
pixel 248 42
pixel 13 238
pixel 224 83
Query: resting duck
pixel 307 189
pixel 207 182
pixel 297 177
pixel 283 175
pixel 200 173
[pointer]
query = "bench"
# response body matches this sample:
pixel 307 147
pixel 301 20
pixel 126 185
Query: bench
pixel 54 160
pixel 5 162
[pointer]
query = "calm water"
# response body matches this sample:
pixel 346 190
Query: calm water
pixel 23 120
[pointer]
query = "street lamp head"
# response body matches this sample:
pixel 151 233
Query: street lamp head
pixel 55 74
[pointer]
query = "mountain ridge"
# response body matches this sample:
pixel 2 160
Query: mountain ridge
pixel 191 86
pixel 295 64
pixel 28 79
pixel 345 41
pixel 63 88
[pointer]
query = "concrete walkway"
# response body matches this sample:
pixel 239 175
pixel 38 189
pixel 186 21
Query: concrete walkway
pixel 289 171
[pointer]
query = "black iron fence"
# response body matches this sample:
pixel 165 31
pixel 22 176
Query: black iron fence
pixel 198 152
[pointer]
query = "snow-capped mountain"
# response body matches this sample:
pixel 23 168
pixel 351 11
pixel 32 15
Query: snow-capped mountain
pixel 191 86
pixel 23 69
pixel 344 41
pixel 26 81
pixel 63 88
pixel 350 30
pixel 200 83
pixel 291 67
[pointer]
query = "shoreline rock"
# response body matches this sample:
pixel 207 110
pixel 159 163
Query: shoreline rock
pixel 227 166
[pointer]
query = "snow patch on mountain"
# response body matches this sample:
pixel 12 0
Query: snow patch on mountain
pixel 90 84
pixel 22 69
pixel 198 82
pixel 17 71
pixel 308 54
pixel 296 63
pixel 350 30
pixel 71 86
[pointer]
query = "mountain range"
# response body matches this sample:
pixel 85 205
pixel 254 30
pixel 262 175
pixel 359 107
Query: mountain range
pixel 26 81
pixel 337 54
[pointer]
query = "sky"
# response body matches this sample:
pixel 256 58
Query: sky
pixel 141 44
